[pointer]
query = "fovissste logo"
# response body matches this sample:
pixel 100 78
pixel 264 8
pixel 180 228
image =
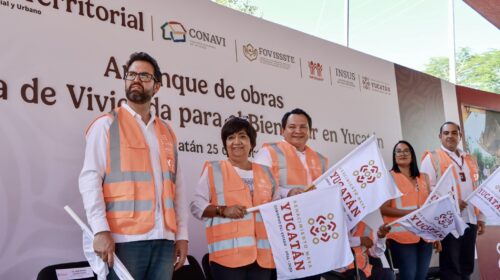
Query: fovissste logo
pixel 250 52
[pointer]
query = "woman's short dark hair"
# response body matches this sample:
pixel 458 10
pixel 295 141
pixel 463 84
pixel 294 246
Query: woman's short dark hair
pixel 142 56
pixel 236 124
pixel 413 164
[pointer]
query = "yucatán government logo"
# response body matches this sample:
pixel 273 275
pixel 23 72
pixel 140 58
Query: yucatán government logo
pixel 323 228
pixel 173 30
pixel 367 174
pixel 445 219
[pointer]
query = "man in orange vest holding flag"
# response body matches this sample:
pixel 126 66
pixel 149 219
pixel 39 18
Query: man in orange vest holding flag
pixel 294 163
pixel 456 260
pixel 131 182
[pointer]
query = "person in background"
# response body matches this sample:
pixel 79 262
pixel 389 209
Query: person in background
pixel 411 254
pixel 456 260
pixel 365 244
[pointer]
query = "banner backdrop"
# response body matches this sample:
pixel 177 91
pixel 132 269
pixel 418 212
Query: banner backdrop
pixel 61 65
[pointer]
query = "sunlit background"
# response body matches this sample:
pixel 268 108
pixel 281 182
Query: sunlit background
pixel 412 33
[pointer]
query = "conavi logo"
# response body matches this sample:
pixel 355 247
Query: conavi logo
pixel 173 30
pixel 177 32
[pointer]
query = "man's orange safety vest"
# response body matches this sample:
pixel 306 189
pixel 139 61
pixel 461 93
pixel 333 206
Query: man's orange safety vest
pixel 288 168
pixel 128 186
pixel 441 160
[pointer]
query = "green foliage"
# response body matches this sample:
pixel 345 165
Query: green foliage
pixel 241 5
pixel 480 71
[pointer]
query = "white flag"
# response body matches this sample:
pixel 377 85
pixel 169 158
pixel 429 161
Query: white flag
pixel 487 197
pixel 307 233
pixel 96 263
pixel 447 185
pixel 435 220
pixel 364 182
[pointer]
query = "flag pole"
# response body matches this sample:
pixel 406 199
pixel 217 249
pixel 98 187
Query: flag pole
pixel 256 208
pixel 118 266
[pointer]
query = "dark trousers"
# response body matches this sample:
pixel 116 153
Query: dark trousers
pixel 314 277
pixel 456 260
pixel 150 259
pixel 378 273
pixel 412 260
pixel 247 272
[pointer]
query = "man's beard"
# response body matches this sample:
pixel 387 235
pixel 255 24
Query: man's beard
pixel 136 95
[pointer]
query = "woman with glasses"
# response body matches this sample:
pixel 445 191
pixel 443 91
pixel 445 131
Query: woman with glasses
pixel 237 241
pixel 411 254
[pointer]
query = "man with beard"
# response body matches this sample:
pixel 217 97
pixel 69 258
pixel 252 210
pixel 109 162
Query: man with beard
pixel 456 260
pixel 131 183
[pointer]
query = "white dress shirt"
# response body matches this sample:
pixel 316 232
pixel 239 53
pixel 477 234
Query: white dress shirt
pixel 92 174
pixel 202 194
pixel 466 187
pixel 264 157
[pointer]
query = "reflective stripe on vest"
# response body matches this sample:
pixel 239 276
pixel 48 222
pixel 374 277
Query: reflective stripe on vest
pixel 238 242
pixel 231 243
pixel 130 195
pixel 263 244
pixel 283 171
pixel 267 170
pixel 218 182
pixel 220 221
pixel 129 205
pixel 322 159
pixel 116 175
pixel 399 205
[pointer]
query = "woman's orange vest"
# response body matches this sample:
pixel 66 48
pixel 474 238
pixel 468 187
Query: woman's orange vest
pixel 128 187
pixel 361 253
pixel 288 168
pixel 239 242
pixel 412 199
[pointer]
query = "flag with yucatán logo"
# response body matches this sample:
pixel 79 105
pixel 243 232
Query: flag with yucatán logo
pixel 487 198
pixel 435 220
pixel 307 233
pixel 363 180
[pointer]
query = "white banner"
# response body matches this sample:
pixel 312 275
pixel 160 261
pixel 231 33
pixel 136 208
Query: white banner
pixel 63 65
pixel 435 220
pixel 447 185
pixel 307 233
pixel 487 197
pixel 364 182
